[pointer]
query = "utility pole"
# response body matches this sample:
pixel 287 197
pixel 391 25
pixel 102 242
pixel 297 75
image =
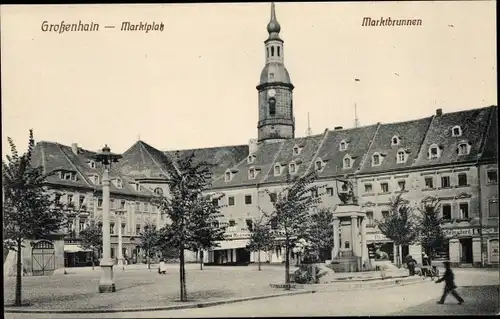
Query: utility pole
pixel 309 130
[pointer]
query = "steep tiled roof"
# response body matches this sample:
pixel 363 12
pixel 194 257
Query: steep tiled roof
pixel 409 136
pixel 358 141
pixel 473 124
pixel 221 158
pixel 54 157
pixel 490 143
pixel 142 161
pixel 263 159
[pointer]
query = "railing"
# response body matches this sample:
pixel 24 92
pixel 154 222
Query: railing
pixel 346 254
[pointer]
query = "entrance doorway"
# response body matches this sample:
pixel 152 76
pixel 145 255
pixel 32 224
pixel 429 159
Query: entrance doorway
pixel 466 251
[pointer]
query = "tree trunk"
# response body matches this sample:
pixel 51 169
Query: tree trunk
pixel 18 274
pixel 149 260
pixel 287 268
pixel 182 277
pixel 258 259
pixel 201 259
pixel 92 259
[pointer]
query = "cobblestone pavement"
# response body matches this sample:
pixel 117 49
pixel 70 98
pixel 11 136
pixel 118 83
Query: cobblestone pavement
pixel 476 286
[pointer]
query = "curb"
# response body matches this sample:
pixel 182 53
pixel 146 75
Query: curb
pixel 173 307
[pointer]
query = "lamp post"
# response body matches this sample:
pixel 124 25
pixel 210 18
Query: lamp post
pixel 119 213
pixel 106 284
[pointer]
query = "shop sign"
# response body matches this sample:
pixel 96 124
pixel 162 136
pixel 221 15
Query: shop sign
pixel 376 237
pixel 457 232
pixel 494 251
pixel 487 231
pixel 242 235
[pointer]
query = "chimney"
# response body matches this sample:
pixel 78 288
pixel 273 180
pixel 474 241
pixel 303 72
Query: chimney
pixel 74 148
pixel 336 128
pixel 439 112
pixel 252 146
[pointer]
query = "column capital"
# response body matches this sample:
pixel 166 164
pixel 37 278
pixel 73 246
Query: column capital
pixel 354 217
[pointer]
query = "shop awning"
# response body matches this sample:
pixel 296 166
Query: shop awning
pixel 232 244
pixel 74 248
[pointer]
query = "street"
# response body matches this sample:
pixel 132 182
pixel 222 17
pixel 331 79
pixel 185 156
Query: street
pixel 477 287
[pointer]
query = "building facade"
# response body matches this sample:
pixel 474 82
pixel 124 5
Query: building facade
pixel 448 156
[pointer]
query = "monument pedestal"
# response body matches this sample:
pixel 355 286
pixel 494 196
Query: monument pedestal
pixel 107 283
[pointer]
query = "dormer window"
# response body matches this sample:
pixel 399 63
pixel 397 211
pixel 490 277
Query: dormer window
pixel 158 191
pixel 251 173
pixel 118 183
pixel 347 162
pixel 456 131
pixel 227 176
pixel 137 187
pixel 343 145
pixel 292 167
pixel 250 159
pixel 277 170
pixel 319 165
pixel 463 148
pixel 296 150
pixel 95 179
pixel 401 157
pixel 434 151
pixel 92 164
pixel 395 140
pixel 376 159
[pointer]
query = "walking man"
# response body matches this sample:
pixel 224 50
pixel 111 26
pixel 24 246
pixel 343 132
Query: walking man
pixel 449 287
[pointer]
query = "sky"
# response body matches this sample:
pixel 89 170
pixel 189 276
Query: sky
pixel 194 84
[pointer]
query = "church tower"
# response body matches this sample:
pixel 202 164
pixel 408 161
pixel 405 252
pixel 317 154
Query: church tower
pixel 276 120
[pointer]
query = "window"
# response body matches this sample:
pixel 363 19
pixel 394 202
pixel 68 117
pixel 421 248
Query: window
pixel 227 176
pixel 319 165
pixel 250 159
pixel 112 252
pixel 70 198
pixel 278 51
pixel 493 208
pixel 384 187
pixel 296 150
pixel 137 186
pixel 401 157
pixel 314 193
pixel 402 185
pixel 111 203
pixel 272 51
pixel 492 177
pixel 112 228
pixel 215 202
pixel 368 188
pixel 232 223
pixel 445 181
pixel 347 162
pixel 81 226
pixel 343 146
pixel 215 224
pixel 68 176
pixel 272 197
pixel 137 229
pixel 433 152
pixel 277 170
pixel 395 140
pixel 463 149
pixel 81 200
pixel 249 225
pixel 137 206
pixel 429 182
pixel 146 207
pixel 267 52
pixel 91 164
pixel 274 223
pixel 248 199
pixel 57 198
pixel 99 202
pixel 158 191
pixel 464 210
pixel 272 106
pixel 118 183
pixel 369 218
pixel 230 200
pixel 292 168
pixel 462 179
pixel 122 204
pixel 251 173
pixel 446 211
pixel 329 191
pixel 385 214
pixel 456 131
pixel 123 228
pixel 375 160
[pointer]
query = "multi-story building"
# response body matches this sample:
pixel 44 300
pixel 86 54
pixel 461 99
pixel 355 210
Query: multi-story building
pixel 76 186
pixel 449 156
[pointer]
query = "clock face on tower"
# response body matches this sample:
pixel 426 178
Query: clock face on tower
pixel 271 92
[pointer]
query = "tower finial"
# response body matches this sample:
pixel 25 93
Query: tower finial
pixel 309 130
pixel 356 120
pixel 273 26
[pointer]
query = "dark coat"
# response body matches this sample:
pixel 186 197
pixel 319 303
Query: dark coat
pixel 449 279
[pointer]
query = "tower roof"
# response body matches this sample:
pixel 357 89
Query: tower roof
pixel 273 27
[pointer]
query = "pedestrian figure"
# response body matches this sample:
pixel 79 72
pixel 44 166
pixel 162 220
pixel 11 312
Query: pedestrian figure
pixel 449 287
pixel 162 267
pixel 411 264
